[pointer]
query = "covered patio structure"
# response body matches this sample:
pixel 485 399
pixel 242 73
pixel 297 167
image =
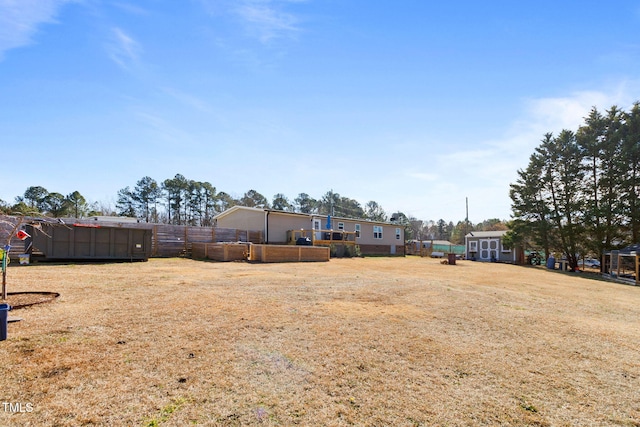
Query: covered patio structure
pixel 623 264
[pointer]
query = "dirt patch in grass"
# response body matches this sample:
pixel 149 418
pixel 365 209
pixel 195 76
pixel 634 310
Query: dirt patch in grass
pixel 373 341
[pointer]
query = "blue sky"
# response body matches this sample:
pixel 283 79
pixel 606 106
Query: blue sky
pixel 413 104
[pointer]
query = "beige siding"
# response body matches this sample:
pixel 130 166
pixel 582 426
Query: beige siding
pixel 279 224
pixel 367 237
pixel 242 219
pixel 387 245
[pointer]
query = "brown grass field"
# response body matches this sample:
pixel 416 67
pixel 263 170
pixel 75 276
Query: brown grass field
pixel 365 342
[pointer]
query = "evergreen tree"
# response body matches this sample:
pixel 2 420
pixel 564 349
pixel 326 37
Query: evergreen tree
pixel 613 169
pixel 208 199
pixel 305 203
pixel 329 203
pixel 76 204
pixel 630 186
pixel 253 199
pixel 54 205
pixel 281 203
pixel 174 191
pixel 563 175
pixel 35 197
pixel 349 208
pixel 194 211
pixel 224 201
pixel 374 212
pixel 442 231
pixel 125 204
pixel 531 211
pixel 145 198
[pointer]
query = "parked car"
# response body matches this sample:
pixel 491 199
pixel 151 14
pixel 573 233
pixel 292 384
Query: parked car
pixel 590 262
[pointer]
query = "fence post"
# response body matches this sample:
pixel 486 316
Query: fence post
pixel 186 238
pixel 155 240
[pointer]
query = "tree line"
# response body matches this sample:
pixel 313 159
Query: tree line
pixel 579 193
pixel 183 201
pixel 179 200
pixel 37 200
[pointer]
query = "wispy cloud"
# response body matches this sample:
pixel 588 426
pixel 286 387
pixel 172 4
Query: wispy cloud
pixel 553 114
pixel 123 49
pixel 164 131
pixel 265 20
pixel 566 112
pixel 485 172
pixel 190 100
pixel 131 8
pixel 20 19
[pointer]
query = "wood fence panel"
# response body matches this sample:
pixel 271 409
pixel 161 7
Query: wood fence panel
pixel 168 240
pixel 288 253
pixel 220 251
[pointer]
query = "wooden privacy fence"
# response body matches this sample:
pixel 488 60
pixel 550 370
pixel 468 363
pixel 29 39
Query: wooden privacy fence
pixel 220 251
pixel 167 240
pixel 176 240
pixel 287 253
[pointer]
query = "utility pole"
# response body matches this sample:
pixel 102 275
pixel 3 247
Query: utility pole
pixel 466 219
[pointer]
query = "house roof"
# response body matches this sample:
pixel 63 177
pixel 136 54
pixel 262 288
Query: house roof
pixel 631 249
pixel 237 208
pixel 262 210
pixel 496 233
pixel 435 242
pixel 441 242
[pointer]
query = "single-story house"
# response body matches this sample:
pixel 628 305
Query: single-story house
pixel 488 246
pixel 280 227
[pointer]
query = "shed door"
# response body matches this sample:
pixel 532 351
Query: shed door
pixel 489 249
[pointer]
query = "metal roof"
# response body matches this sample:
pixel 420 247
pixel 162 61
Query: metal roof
pixel 309 215
pixel 496 233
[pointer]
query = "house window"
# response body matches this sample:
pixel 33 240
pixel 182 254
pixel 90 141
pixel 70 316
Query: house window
pixel 398 234
pixel 473 246
pixel 377 232
pixel 341 226
pixel 503 249
pixel 357 230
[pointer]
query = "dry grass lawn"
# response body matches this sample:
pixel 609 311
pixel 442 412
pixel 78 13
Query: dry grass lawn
pixel 367 342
